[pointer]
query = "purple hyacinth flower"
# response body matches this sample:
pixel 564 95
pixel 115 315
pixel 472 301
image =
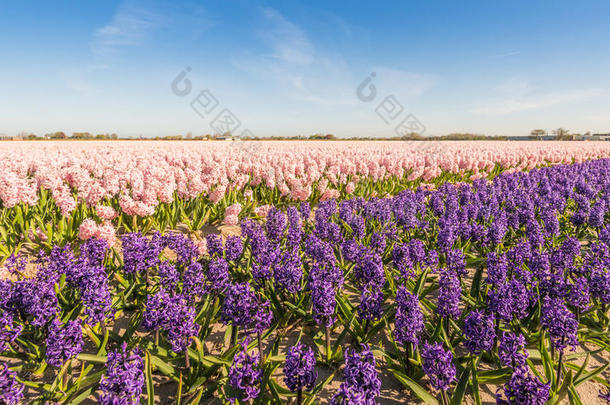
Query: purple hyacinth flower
pixel 122 383
pixel 323 302
pixel 185 249
pixel 305 210
pixel 262 318
pixel 371 303
pixel 180 323
pixel 155 314
pixel 233 248
pixel 409 320
pixel 348 395
pixel 560 323
pixel 63 342
pixel 300 368
pixel 174 316
pixel 140 253
pixel 245 373
pixel 243 308
pixel 9 330
pixel 449 294
pixel 362 384
pixel 479 331
pixel 456 262
pixel 510 299
pixel 438 366
pixel 193 281
pixel 369 270
pixel 497 268
pixel 512 351
pixel 93 251
pixel 579 296
pixel 275 224
pixel 36 298
pixel 217 276
pixel 214 244
pixel 168 275
pixel 523 388
pixel 95 295
pixel 11 390
pixel 401 258
pixel 288 273
pixel 295 228
pixel 351 250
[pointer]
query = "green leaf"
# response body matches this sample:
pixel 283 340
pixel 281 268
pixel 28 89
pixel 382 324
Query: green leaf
pixel 563 390
pixel 495 376
pixel 179 391
pixel 546 361
pixel 417 389
pixel 421 281
pixel 150 386
pixel 318 388
pixel 164 368
pixel 92 358
pixel 591 374
pixel 573 396
pixel 475 384
pixel 197 398
pixel 582 368
pixel 460 389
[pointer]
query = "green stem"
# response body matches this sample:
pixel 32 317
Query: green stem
pixel 444 397
pixel 260 347
pixel 559 363
pixel 408 348
pixel 234 333
pixel 327 332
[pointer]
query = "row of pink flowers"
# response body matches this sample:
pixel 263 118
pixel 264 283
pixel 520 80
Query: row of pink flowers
pixel 141 174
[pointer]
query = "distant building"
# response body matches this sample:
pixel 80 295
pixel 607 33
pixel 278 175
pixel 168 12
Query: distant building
pixel 600 137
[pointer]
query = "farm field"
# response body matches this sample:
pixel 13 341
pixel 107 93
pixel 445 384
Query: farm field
pixel 304 272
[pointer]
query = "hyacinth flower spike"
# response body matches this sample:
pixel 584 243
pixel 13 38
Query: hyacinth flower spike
pixel 300 370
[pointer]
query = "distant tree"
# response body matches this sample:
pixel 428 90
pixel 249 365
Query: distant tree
pixel 317 136
pixel 561 134
pixel 113 136
pixel 189 135
pixel 58 135
pixel 413 136
pixel 537 134
pixel 81 135
pixel 329 136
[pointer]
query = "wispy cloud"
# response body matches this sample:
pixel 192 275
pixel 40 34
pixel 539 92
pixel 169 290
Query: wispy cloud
pixel 288 42
pixel 130 25
pixel 515 96
pixel 295 63
pixel 290 60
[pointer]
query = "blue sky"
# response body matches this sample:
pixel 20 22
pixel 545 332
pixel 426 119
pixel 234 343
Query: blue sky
pixel 293 67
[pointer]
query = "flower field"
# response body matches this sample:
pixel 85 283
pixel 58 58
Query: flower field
pixel 304 272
